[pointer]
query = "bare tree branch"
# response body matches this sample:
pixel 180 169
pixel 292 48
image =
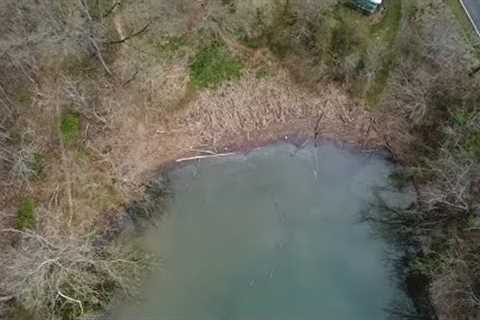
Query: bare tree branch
pixel 130 36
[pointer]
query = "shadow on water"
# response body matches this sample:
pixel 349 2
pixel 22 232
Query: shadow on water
pixel 282 232
pixel 394 221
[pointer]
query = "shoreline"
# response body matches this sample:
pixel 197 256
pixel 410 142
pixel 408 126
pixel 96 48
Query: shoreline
pixel 297 136
pixel 409 282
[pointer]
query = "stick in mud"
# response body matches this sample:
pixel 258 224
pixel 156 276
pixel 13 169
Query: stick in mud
pixel 219 155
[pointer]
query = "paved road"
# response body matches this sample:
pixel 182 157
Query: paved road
pixel 473 8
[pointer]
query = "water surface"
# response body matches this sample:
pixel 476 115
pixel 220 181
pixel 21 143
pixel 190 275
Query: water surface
pixel 274 234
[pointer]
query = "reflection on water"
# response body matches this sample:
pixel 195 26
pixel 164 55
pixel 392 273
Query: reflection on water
pixel 274 234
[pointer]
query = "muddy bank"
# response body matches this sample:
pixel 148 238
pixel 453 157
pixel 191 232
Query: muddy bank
pixel 299 132
pixel 239 115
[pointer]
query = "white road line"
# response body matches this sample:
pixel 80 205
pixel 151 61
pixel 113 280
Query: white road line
pixel 470 17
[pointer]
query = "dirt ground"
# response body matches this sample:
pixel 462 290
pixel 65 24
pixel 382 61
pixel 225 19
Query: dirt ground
pixel 248 112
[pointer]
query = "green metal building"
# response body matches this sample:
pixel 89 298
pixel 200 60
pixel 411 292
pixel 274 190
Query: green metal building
pixel 369 6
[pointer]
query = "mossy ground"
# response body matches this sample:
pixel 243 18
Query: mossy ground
pixel 213 65
pixel 70 128
pixel 25 218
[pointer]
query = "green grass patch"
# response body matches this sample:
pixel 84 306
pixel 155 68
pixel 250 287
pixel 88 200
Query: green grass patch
pixel 349 31
pixel 467 28
pixel 387 28
pixel 70 128
pixel 385 33
pixel 214 65
pixel 350 37
pixel 25 218
pixel 344 12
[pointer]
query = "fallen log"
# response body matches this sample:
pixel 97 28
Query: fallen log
pixel 209 156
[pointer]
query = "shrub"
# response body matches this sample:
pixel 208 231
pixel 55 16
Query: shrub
pixel 70 128
pixel 473 145
pixel 67 276
pixel 25 215
pixel 214 65
pixel 38 164
pixel 26 157
pixel 460 119
pixel 344 39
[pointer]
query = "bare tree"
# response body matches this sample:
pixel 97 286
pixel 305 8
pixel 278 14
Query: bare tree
pixel 449 189
pixel 52 271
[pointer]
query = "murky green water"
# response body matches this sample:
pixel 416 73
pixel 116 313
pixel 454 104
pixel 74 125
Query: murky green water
pixel 275 234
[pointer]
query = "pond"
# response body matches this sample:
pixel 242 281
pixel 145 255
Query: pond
pixel 273 234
